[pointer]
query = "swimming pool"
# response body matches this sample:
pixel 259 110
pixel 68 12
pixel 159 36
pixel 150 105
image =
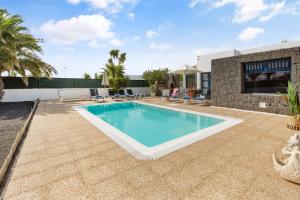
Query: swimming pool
pixel 150 131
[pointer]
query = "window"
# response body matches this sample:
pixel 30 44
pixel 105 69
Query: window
pixel 205 78
pixel 270 76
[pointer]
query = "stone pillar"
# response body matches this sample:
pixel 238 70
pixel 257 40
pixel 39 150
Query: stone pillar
pixel 198 81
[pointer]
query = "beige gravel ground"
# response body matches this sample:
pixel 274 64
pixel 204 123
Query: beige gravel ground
pixel 66 157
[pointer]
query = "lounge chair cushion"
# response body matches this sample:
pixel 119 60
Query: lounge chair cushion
pixel 201 97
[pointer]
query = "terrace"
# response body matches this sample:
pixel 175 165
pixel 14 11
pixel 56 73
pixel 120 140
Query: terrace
pixel 208 131
pixel 66 157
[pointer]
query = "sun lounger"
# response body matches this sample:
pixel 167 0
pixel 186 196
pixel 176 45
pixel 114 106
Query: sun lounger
pixel 95 95
pixel 140 95
pixel 135 95
pixel 186 99
pixel 200 99
pixel 175 95
pixel 112 94
pixel 165 97
pixel 130 93
pixel 122 93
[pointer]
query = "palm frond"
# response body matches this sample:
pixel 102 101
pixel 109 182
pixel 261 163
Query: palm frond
pixel 19 49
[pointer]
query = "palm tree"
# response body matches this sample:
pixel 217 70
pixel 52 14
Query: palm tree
pixel 114 69
pixel 19 50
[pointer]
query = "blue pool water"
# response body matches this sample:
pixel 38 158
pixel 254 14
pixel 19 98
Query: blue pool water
pixel 151 125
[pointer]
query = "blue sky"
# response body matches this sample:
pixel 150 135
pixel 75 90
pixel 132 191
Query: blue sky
pixel 78 34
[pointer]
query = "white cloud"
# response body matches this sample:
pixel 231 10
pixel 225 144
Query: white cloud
pixel 193 3
pixel 246 10
pixel 136 37
pixel 93 44
pixel 281 8
pixel 293 9
pixel 151 34
pixel 116 42
pixel 276 9
pixel 160 46
pixel 73 1
pixel 250 33
pixel 164 27
pixel 131 16
pixel 84 28
pixel 111 6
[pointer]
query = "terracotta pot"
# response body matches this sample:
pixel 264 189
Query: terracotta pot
pixel 294 122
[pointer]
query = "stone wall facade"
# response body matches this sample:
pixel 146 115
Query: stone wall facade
pixel 227 78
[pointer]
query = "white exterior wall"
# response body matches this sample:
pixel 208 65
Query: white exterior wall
pixel 204 61
pixel 15 95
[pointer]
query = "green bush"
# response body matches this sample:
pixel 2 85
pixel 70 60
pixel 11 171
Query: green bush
pixel 159 75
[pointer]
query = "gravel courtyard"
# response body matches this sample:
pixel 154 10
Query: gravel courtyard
pixel 12 119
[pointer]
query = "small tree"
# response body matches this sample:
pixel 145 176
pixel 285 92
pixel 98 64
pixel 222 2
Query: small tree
pixel 156 75
pixel 115 70
pixel 98 76
pixel 86 76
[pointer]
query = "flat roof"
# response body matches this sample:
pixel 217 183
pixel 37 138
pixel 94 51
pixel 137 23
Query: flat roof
pixel 282 45
pixel 204 60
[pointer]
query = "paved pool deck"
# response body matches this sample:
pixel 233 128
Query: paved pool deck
pixel 66 157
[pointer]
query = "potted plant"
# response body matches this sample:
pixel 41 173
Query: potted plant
pixel 293 106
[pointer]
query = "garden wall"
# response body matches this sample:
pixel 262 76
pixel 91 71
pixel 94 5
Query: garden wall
pixel 16 95
pixel 56 88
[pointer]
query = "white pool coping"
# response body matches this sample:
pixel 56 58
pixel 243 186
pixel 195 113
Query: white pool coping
pixel 143 152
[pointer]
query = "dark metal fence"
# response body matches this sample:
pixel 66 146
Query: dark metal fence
pixel 17 83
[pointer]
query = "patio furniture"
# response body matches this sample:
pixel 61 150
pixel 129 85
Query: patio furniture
pixel 175 96
pixel 140 95
pixel 122 93
pixel 200 99
pixel 186 99
pixel 135 95
pixel 192 93
pixel 95 95
pixel 112 94
pixel 175 92
pixel 130 93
